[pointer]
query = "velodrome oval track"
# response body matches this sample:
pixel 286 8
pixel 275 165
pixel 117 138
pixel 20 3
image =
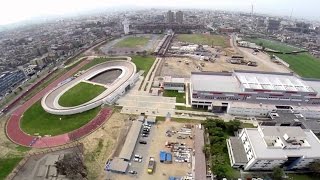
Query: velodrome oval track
pixel 50 100
pixel 16 135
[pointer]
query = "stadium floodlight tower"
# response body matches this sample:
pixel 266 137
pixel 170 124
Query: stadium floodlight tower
pixel 126 25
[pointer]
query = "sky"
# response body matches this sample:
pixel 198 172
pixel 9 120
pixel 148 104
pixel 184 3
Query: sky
pixel 12 11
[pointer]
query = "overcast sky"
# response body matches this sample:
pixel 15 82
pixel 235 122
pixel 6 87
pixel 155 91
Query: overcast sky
pixel 16 10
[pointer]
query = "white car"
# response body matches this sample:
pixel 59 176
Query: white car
pixel 137 160
pixel 137 156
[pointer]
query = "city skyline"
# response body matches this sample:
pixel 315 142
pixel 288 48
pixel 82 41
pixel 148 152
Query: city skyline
pixel 11 13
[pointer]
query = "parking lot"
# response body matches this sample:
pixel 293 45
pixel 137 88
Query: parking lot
pixel 155 143
pixel 138 167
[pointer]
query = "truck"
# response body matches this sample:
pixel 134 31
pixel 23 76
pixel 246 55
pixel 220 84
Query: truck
pixel 151 165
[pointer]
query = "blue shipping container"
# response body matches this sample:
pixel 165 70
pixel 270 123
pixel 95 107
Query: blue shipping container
pixel 162 156
pixel 169 157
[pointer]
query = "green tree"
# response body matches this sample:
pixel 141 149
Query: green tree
pixel 144 53
pixel 315 167
pixel 233 126
pixel 277 173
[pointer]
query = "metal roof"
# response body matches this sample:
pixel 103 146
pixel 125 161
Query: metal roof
pixel 131 140
pixel 268 81
pixel 234 82
pixel 220 82
pixel 151 119
pixel 119 165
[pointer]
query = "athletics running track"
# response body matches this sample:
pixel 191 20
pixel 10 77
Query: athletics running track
pixel 16 135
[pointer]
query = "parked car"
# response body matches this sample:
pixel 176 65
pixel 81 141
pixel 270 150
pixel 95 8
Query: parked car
pixel 143 142
pixel 138 156
pixel 144 135
pixel 133 172
pixel 137 160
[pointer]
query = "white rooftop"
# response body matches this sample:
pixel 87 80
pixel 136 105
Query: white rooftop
pixel 267 81
pixel 173 80
pixel 214 82
pixel 263 151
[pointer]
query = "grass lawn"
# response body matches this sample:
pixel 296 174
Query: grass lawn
pixel 303 64
pixel 247 125
pixel 7 164
pixel 22 148
pixel 274 45
pixel 132 42
pixel 37 120
pixel 80 93
pixel 205 39
pixel 180 97
pixel 143 63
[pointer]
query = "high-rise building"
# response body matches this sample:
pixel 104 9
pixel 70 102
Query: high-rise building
pixel 126 26
pixel 179 17
pixel 170 17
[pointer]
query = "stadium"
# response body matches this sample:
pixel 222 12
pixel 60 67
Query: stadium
pixel 113 78
pixel 254 93
pixel 113 87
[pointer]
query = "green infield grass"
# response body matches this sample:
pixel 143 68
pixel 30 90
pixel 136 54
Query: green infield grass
pixel 304 64
pixel 80 93
pixel 205 39
pixel 132 42
pixel 37 121
pixel 274 45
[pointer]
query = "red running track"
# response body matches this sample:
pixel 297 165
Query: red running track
pixel 17 136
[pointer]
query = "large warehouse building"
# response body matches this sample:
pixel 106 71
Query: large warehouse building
pixel 255 93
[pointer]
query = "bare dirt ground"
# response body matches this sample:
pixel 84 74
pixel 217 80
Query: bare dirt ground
pixel 263 60
pixel 176 66
pixel 163 171
pixel 100 145
pixel 172 67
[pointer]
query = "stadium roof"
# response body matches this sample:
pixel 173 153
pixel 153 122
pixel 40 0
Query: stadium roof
pixel 214 82
pixel 131 141
pixel 233 82
pixel 270 81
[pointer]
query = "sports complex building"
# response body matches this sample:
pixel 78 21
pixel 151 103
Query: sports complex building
pixel 254 93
